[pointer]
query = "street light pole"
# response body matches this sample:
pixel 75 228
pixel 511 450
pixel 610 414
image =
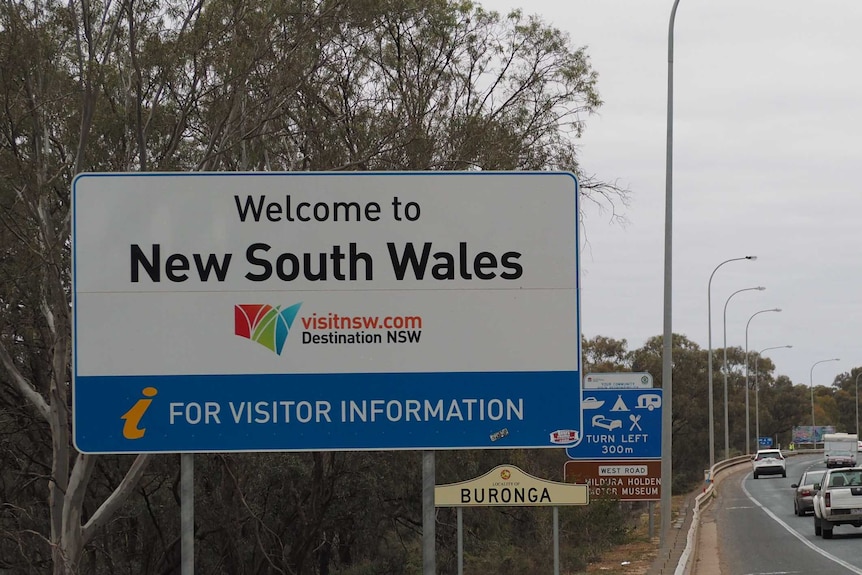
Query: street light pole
pixel 811 384
pixel 667 348
pixel 757 389
pixel 709 360
pixel 726 428
pixel 747 410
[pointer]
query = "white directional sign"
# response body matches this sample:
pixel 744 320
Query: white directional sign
pixel 618 380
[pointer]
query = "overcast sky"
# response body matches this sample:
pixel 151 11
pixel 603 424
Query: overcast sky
pixel 767 161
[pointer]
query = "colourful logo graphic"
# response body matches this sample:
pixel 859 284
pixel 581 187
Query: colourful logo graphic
pixel 134 415
pixel 264 324
pixel 505 474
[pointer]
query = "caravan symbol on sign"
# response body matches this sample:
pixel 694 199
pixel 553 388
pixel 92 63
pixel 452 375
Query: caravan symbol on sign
pixel 620 424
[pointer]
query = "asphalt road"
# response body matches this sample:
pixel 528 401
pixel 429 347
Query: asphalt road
pixel 758 534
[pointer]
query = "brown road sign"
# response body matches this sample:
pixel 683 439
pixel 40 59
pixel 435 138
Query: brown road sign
pixel 623 480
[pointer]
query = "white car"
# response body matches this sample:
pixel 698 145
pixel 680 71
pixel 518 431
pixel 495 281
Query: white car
pixel 838 500
pixel 768 462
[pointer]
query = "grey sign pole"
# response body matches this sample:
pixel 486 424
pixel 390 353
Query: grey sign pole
pixel 556 540
pixel 187 513
pixel 460 541
pixel 429 512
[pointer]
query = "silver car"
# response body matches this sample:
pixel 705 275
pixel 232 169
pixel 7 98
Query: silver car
pixel 803 497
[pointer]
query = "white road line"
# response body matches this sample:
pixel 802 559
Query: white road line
pixel 793 532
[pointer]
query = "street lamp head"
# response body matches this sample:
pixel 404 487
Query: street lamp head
pixel 788 346
pixel 776 309
pixel 760 288
pixel 752 258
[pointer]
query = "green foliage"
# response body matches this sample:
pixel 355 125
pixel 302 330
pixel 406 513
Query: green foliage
pixel 690 411
pixel 237 85
pixel 603 354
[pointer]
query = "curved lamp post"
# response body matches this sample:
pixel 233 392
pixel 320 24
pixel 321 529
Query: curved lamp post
pixel 709 361
pixel 811 384
pixel 747 409
pixel 726 429
pixel 667 332
pixel 757 389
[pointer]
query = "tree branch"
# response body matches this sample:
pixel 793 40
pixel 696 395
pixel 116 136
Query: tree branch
pixel 23 385
pixel 110 506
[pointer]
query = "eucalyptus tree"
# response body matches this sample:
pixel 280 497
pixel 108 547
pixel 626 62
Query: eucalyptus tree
pixel 605 354
pixel 148 85
pixel 690 408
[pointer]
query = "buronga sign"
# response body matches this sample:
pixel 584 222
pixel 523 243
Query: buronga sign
pixel 623 480
pixel 509 486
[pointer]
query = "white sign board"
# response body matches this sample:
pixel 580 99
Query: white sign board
pixel 509 486
pixel 312 311
pixel 614 380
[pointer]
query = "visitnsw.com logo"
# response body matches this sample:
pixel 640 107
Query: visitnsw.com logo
pixel 265 324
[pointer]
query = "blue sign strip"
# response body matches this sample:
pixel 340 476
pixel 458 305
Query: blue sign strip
pixel 620 424
pixel 199 413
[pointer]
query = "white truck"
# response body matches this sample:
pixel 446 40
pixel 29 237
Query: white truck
pixel 838 500
pixel 839 449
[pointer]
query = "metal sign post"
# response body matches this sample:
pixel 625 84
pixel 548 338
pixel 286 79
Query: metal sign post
pixel 429 533
pixel 187 513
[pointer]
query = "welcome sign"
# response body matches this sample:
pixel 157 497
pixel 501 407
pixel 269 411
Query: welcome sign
pixel 325 311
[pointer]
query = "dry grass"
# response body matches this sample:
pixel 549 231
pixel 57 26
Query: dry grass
pixel 636 556
pixel 633 558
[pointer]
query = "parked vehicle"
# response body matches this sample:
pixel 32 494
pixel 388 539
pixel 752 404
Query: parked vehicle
pixel 840 449
pixel 838 500
pixel 769 462
pixel 803 496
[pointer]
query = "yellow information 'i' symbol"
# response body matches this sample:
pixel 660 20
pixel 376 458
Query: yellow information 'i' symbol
pixel 134 415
